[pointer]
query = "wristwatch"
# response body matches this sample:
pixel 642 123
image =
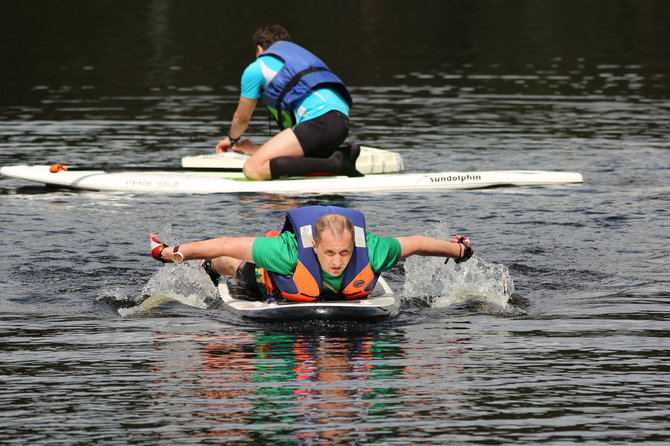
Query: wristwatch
pixel 233 141
pixel 177 257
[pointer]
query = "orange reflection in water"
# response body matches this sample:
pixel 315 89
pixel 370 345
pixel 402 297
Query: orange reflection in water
pixel 267 385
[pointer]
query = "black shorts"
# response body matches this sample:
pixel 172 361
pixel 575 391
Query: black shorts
pixel 321 136
pixel 245 279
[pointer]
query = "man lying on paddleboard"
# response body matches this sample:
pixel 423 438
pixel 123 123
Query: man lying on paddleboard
pixel 321 252
pixel 308 101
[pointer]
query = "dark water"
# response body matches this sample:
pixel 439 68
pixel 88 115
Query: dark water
pixel 556 333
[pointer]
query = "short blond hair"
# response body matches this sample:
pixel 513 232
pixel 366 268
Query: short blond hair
pixel 337 224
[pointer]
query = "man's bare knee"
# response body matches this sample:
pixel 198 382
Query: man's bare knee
pixel 226 266
pixel 250 172
pixel 255 171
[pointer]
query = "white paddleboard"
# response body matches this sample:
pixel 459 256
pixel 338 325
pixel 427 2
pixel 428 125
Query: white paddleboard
pixel 381 306
pixel 204 183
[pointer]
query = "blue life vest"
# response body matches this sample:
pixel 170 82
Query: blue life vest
pixel 301 73
pixel 306 283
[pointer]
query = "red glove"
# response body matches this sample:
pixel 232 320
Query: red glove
pixel 156 248
pixel 466 251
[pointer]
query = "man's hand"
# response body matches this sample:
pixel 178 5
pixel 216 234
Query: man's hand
pixel 223 145
pixel 466 248
pixel 156 248
pixel 245 146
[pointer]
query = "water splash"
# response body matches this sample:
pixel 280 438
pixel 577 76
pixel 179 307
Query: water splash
pixel 184 279
pixel 185 283
pixel 479 285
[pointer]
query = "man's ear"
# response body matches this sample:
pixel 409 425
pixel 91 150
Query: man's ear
pixel 259 50
pixel 314 245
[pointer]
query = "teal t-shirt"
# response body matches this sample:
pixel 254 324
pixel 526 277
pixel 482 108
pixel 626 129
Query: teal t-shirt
pixel 280 255
pixel 316 103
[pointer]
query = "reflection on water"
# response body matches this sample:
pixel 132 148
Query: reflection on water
pixel 270 386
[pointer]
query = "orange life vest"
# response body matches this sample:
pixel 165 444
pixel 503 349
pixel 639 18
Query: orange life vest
pixel 306 284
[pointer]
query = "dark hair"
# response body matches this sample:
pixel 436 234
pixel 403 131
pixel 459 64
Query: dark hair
pixel 270 34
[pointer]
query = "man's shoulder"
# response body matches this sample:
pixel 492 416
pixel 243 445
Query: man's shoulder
pixel 278 254
pixel 283 244
pixel 384 252
pixel 376 242
pixel 258 74
pixel 286 238
pixel 269 61
pixel 252 69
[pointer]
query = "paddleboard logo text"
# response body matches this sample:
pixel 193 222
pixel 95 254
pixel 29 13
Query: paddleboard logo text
pixel 455 178
pixel 151 184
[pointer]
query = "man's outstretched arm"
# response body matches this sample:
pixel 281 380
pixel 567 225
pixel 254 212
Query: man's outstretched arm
pixel 458 248
pixel 235 247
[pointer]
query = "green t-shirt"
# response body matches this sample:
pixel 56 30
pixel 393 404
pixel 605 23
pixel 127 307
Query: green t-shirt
pixel 280 255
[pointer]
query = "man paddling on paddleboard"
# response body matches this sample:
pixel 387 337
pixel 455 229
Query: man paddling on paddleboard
pixel 308 101
pixel 321 252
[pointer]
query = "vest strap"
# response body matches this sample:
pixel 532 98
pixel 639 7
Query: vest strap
pixel 289 86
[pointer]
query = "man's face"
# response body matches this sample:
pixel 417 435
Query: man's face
pixel 334 253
